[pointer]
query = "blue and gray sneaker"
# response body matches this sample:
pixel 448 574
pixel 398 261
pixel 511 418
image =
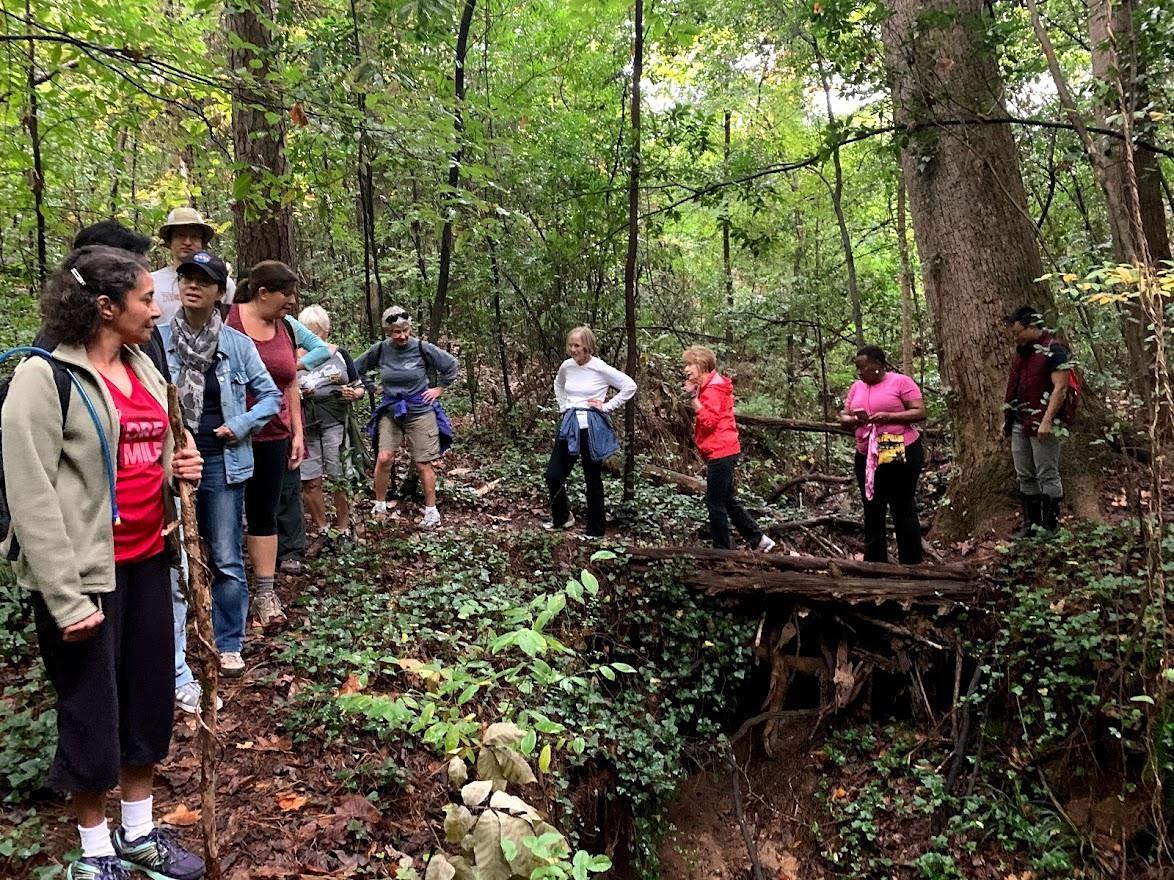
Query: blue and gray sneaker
pixel 97 868
pixel 159 856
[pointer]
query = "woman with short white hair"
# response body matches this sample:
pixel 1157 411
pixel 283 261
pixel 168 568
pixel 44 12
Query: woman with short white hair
pixel 328 392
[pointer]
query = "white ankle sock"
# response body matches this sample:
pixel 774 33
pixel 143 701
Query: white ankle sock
pixel 137 819
pixel 432 510
pixel 96 841
pixel 380 507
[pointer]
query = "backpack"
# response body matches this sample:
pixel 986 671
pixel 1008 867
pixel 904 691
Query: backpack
pixel 63 379
pixel 1067 411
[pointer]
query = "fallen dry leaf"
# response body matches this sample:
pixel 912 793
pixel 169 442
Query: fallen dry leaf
pixel 352 685
pixel 355 806
pixel 182 816
pixel 273 744
pixel 290 801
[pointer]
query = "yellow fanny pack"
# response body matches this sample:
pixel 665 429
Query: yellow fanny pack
pixel 890 449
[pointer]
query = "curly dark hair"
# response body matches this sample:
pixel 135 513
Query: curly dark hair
pixel 69 307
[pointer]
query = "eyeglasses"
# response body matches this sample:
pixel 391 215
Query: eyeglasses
pixel 396 317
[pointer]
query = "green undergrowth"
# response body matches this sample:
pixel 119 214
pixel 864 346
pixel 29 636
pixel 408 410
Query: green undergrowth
pixel 614 673
pixel 1069 732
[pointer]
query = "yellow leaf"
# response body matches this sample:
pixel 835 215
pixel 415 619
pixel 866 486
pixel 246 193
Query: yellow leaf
pixel 182 816
pixel 544 759
pixel 839 794
pixel 290 801
pixel 1068 277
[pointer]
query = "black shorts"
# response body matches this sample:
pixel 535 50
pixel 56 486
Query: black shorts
pixel 263 490
pixel 115 690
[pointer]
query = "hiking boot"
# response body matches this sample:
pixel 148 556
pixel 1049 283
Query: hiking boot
pixel 267 608
pixel 232 665
pixel 291 566
pixel 1049 519
pixel 431 518
pixel 550 526
pixel 97 868
pixel 159 856
pixel 1032 516
pixel 765 545
pixel 187 696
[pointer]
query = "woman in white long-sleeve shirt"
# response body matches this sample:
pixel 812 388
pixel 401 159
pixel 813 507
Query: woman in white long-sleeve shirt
pixel 581 385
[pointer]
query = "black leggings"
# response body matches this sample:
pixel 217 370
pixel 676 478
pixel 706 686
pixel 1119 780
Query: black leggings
pixel 725 508
pixel 263 490
pixel 895 488
pixel 116 689
pixel 557 471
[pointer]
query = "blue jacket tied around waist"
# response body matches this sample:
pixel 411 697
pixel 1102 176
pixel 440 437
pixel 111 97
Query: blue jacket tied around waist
pixel 602 442
pixel 396 407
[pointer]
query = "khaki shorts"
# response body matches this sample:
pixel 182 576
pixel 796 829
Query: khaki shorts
pixel 420 431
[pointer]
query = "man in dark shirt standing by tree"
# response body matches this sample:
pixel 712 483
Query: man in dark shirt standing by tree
pixel 1037 391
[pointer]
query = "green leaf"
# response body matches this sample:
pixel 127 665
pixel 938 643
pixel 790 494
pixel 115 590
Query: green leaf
pixel 602 556
pixel 590 582
pixel 529 741
pixel 606 672
pixel 623 667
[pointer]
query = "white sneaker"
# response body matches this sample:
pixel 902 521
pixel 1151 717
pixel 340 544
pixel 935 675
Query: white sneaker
pixel 765 545
pixel 232 665
pixel 187 697
pixel 550 526
pixel 431 518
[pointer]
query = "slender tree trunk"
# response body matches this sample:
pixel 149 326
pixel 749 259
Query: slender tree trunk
pixel 262 216
pixel 727 266
pixel 440 303
pixel 837 192
pixel 1116 63
pixel 906 281
pixel 32 122
pixel 498 326
pixel 976 241
pixel 634 160
pixel 374 304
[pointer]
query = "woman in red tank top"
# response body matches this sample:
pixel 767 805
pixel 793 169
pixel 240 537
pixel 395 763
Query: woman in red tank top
pixel 260 306
pixel 100 584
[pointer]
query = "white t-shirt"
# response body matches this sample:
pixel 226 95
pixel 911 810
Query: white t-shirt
pixel 167 293
pixel 575 385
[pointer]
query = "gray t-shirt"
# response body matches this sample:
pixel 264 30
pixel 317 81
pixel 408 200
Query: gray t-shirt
pixel 404 369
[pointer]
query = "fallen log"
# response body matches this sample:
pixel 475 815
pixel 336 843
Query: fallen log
pixel 834 567
pixel 851 590
pixel 684 482
pixel 782 525
pixel 784 486
pixel 812 426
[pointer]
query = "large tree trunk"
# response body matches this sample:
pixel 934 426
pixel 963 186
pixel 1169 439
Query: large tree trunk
pixel 439 304
pixel 261 213
pixel 1116 66
pixel 974 236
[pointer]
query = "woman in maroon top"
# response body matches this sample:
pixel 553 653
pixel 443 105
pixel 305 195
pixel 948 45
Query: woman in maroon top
pixel 260 306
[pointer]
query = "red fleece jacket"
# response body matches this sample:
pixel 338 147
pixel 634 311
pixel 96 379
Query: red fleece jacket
pixel 714 430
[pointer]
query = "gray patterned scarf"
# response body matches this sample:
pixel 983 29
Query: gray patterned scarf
pixel 197 352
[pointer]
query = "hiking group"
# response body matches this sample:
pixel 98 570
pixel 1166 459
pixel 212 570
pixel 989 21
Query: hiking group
pixel 267 406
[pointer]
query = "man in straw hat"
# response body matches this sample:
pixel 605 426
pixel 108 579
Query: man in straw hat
pixel 185 233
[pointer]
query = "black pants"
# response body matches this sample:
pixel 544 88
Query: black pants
pixel 895 488
pixel 724 507
pixel 291 517
pixel 557 471
pixel 263 490
pixel 116 689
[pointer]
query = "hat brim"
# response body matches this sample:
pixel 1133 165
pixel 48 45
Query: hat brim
pixel 209 232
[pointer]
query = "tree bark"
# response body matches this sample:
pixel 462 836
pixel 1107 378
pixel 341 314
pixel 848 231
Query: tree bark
pixel 727 267
pixel 1115 61
pixel 906 282
pixel 498 326
pixel 261 212
pixel 440 303
pixel 633 240
pixel 365 178
pixel 976 241
pixel 32 122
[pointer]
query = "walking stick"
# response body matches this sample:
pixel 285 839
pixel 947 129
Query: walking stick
pixel 199 598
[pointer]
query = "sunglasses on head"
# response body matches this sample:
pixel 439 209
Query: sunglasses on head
pixel 396 317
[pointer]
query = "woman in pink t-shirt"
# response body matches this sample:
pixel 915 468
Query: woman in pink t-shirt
pixel 883 406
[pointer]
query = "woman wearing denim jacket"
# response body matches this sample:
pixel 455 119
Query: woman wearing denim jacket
pixel 214 366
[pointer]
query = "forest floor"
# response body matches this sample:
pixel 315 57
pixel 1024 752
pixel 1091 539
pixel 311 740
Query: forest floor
pixel 398 651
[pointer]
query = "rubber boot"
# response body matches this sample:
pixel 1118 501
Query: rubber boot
pixel 1032 516
pixel 1050 513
